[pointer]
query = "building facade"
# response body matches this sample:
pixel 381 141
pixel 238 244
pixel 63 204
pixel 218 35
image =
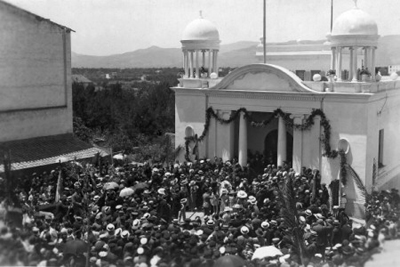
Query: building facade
pixel 36 123
pixel 35 75
pixel 267 109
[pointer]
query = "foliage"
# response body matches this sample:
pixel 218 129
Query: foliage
pixel 331 72
pixel 80 130
pixel 122 115
pixel 358 181
pixel 290 216
pixel 160 150
pixel 210 113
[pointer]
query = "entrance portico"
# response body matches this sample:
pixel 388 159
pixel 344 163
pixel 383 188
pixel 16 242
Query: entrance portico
pixel 263 89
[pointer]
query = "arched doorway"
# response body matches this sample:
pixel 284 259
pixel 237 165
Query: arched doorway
pixel 271 147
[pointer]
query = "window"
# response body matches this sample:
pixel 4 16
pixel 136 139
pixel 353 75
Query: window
pixel 380 151
pixel 300 73
pixel 189 131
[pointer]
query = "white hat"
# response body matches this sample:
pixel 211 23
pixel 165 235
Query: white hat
pixel 110 227
pixel 125 234
pixel 241 194
pixel 264 224
pixel 244 230
pixel 143 241
pixel 161 191
pixel 140 250
pixel 136 224
pixel 252 199
pixel 103 254
pixel 118 231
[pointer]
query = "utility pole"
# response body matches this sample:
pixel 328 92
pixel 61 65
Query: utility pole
pixel 264 33
pixel 331 15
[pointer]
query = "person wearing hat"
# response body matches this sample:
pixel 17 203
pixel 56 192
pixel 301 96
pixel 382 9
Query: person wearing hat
pixel 193 195
pixel 77 199
pixel 322 236
pixel 182 211
pixel 206 201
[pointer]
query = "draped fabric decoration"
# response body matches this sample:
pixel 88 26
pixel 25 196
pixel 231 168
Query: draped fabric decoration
pixel 343 163
pixel 309 122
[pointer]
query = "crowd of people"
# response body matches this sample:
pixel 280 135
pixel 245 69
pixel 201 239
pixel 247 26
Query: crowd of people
pixel 143 215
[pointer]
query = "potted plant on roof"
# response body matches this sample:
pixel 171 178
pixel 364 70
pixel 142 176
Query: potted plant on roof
pixel 365 74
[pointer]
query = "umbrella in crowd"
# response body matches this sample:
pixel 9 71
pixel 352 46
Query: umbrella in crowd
pixel 110 186
pixel 75 247
pixel 265 252
pixel 229 261
pixel 139 186
pixel 126 192
pixel 118 156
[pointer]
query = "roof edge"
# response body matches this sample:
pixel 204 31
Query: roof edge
pixel 34 16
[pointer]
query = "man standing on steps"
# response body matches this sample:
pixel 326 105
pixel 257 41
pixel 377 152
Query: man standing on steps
pixel 206 202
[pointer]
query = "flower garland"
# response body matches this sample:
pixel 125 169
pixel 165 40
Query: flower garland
pixel 343 162
pixel 325 138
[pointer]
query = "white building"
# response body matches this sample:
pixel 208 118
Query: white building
pixel 36 90
pixel 362 116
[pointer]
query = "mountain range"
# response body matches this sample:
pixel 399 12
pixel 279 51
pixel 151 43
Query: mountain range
pixel 230 55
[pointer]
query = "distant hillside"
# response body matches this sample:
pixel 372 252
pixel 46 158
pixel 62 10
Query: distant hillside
pixel 152 57
pixel 157 57
pixel 230 55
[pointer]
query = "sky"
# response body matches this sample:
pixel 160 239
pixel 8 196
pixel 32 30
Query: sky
pixel 105 27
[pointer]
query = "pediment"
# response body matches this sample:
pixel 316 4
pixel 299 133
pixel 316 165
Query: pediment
pixel 262 77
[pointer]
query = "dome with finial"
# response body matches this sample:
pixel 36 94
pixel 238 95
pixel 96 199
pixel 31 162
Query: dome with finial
pixel 355 22
pixel 200 29
pixel 354 27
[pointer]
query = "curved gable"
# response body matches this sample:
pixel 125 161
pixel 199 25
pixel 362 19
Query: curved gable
pixel 263 77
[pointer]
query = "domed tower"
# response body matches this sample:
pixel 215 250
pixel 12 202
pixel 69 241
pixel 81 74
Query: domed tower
pixel 354 30
pixel 200 46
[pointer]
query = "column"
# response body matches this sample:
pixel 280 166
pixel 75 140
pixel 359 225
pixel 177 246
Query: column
pixel 333 58
pixel 216 63
pixel 366 58
pixel 297 144
pixel 242 140
pixel 225 140
pixel 339 65
pixel 351 63
pixel 197 65
pixel 281 141
pixel 212 136
pixel 203 52
pixel 209 63
pixel 185 63
pixel 191 65
pixel 355 64
pixel 372 70
pixel 315 144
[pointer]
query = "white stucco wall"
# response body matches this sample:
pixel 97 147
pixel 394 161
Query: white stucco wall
pixel 189 111
pixel 35 76
pixel 384 113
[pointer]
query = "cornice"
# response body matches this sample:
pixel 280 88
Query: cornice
pixel 263 95
pixel 295 83
pixel 278 95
